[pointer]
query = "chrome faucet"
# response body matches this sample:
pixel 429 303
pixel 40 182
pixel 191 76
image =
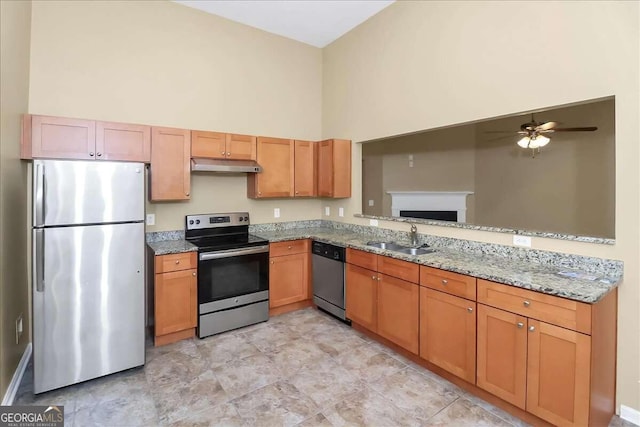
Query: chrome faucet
pixel 414 235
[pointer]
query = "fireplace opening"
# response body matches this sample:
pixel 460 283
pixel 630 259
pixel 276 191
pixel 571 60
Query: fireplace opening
pixel 437 215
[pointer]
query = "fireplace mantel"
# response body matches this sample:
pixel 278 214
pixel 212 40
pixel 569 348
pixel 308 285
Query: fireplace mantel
pixel 430 201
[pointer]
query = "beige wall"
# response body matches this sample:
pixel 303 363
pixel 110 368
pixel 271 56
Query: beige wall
pixel 161 63
pixel 569 187
pixel 15 27
pixel 422 65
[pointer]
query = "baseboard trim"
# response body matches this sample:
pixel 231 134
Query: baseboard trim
pixel 10 395
pixel 630 414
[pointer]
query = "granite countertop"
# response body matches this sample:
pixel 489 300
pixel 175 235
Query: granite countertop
pixel 528 275
pixel 164 247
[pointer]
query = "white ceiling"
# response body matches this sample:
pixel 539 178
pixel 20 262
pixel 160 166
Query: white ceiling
pixel 315 22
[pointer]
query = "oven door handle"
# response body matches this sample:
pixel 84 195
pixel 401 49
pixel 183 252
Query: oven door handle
pixel 234 252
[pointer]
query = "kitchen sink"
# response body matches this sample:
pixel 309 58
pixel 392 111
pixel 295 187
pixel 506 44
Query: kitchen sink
pixel 401 249
pixel 416 251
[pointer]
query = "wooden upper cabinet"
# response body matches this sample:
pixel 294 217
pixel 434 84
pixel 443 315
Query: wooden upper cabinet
pixel 241 147
pixel 208 144
pixel 276 156
pixel 170 164
pixel 362 296
pixel 305 169
pixel 448 332
pixel 558 374
pixel 60 138
pixel 334 168
pixel 122 141
pixel 502 354
pixel 398 311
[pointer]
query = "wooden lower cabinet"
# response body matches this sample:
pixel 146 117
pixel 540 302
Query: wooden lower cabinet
pixel 398 311
pixel 362 296
pixel 448 333
pixel 502 354
pixel 288 279
pixel 558 366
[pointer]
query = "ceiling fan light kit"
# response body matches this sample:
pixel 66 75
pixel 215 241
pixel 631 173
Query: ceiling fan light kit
pixel 533 141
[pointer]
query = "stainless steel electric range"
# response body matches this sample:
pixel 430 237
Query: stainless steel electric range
pixel 233 272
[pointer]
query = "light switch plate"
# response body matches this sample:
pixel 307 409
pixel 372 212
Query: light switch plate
pixel 340 211
pixel 276 212
pixel 327 211
pixel 522 241
pixel 151 219
pixel 371 202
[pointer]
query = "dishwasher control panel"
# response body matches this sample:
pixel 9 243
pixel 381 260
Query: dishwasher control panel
pixel 328 251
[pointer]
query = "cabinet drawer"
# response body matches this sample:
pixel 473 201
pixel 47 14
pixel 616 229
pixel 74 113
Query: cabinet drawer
pixel 404 270
pixel 363 259
pixel 176 262
pixel 289 247
pixel 547 308
pixel 446 281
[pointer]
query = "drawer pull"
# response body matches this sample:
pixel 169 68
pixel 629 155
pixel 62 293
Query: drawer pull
pixel 526 303
pixel 177 261
pixel 470 310
pixel 520 325
pixel 444 281
pixel 288 247
pixel 532 328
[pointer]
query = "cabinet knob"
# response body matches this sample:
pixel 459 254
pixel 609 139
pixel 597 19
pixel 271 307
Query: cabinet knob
pixel 520 325
pixel 177 261
pixel 271 262
pixel 288 247
pixel 297 192
pixel 532 328
pixel 470 310
pixel 193 274
pixel 526 303
pixel 186 194
pixel 222 152
pixel 259 193
pixel 228 153
pixel 373 277
pixel 91 153
pixel 444 281
pixel 99 154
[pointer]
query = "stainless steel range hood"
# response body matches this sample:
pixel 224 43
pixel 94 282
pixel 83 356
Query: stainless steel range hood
pixel 219 165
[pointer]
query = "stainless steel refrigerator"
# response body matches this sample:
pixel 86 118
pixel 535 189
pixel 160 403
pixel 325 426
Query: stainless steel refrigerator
pixel 88 270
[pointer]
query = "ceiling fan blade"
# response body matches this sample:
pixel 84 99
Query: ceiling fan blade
pixel 500 137
pixel 499 131
pixel 582 129
pixel 547 126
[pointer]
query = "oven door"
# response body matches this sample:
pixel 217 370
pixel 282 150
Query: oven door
pixel 232 273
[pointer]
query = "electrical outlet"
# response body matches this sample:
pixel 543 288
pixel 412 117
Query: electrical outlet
pixel 340 211
pixel 371 202
pixel 276 212
pixel 373 222
pixel 327 211
pixel 19 329
pixel 410 160
pixel 522 241
pixel 151 219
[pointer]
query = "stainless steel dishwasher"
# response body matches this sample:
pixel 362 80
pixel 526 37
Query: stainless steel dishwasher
pixel 328 278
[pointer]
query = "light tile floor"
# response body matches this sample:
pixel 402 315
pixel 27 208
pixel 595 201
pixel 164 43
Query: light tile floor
pixel 302 368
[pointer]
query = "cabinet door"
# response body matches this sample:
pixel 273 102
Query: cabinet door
pixel 211 145
pixel 276 156
pixel 63 138
pixel 176 301
pixel 170 164
pixel 241 147
pixel 558 374
pixel 502 354
pixel 362 296
pixel 288 279
pixel 305 169
pixel 398 311
pixel 325 168
pixel 334 168
pixel 448 333
pixel 122 141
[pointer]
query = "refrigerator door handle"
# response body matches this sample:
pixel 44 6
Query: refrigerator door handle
pixel 38 263
pixel 38 199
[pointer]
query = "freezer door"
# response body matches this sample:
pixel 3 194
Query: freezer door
pixel 88 302
pixel 67 192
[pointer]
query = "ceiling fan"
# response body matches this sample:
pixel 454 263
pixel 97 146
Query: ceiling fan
pixel 535 134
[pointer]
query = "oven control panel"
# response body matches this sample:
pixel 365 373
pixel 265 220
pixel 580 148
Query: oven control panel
pixel 197 222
